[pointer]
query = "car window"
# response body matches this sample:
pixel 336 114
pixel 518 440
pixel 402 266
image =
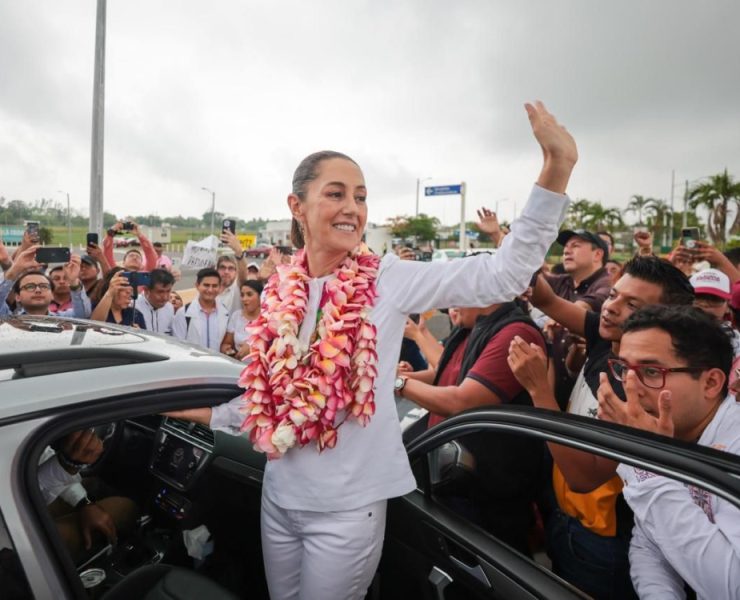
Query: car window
pixel 148 493
pixel 508 486
pixel 13 582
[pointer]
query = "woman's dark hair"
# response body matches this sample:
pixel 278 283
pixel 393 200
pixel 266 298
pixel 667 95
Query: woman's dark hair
pixel 306 172
pixel 676 286
pixel 697 338
pixel 253 284
pixel 106 283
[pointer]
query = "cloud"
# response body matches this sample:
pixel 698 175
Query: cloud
pixel 232 96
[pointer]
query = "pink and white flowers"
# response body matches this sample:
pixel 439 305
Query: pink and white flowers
pixel 295 394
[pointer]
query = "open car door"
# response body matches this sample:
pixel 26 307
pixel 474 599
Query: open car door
pixel 437 550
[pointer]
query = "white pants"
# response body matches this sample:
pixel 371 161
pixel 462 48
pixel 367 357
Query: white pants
pixel 321 555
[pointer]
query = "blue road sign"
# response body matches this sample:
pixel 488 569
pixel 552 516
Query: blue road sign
pixel 443 190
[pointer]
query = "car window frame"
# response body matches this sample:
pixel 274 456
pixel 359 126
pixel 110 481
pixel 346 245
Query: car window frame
pixel 719 472
pixel 53 559
pixel 713 470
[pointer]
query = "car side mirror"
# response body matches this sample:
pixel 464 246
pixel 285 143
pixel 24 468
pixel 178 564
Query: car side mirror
pixel 449 463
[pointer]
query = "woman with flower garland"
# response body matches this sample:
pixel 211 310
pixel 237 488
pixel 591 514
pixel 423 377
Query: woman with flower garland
pixel 325 346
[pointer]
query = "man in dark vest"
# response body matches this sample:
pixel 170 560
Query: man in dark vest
pixel 473 372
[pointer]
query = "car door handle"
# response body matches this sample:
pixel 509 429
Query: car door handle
pixel 439 580
pixel 475 572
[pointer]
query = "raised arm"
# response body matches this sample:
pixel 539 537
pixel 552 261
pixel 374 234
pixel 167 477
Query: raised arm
pixel 486 280
pixel 583 471
pixel 147 248
pixel 570 315
pixel 108 244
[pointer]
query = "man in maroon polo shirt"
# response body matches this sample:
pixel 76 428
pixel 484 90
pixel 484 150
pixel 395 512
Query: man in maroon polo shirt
pixel 472 372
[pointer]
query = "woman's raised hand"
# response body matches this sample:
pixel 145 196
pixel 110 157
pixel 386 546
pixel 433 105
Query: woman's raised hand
pixel 558 147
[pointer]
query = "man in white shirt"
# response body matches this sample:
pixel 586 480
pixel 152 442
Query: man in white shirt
pixel 233 270
pixel 81 518
pixel 204 320
pixel 674 362
pixel 155 304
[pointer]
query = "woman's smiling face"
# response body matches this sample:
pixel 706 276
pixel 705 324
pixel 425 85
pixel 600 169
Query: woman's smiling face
pixel 334 209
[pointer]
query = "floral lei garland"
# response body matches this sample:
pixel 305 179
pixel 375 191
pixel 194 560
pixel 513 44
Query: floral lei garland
pixel 293 393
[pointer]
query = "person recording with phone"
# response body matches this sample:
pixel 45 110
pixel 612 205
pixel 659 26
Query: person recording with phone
pixel 232 269
pixel 134 259
pixel 34 289
pixel 115 303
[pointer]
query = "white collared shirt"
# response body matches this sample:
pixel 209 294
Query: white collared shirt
pixel 370 463
pixel 684 533
pixel 195 325
pixel 156 319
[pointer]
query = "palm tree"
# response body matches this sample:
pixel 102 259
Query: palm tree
pixel 638 204
pixel 659 214
pixel 717 194
pixel 577 211
pixel 600 218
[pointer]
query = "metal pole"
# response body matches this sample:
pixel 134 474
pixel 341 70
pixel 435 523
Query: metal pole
pixel 418 183
pixel 673 186
pixel 69 224
pixel 98 120
pixel 213 208
pixel 685 204
pixel 463 237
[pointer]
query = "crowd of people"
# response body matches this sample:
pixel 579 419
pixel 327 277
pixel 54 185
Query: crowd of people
pixel 139 292
pixel 650 343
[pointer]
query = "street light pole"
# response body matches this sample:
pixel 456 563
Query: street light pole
pixel 213 204
pixel 418 185
pixel 69 220
pixel 98 121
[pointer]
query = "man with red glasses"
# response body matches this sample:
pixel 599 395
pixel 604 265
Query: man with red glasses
pixel 674 363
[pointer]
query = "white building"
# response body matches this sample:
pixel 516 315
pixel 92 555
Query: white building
pixel 379 238
pixel 277 233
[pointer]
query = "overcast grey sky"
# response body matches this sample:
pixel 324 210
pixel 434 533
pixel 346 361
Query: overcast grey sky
pixel 232 94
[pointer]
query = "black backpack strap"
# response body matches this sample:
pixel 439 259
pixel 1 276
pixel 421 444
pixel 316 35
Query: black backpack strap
pixel 187 319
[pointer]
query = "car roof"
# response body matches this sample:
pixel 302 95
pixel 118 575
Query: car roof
pixel 29 333
pixel 53 361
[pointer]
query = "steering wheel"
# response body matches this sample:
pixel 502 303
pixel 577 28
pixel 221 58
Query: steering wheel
pixel 110 435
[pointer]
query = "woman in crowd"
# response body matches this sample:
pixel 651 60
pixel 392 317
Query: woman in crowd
pixel 236 329
pixel 326 345
pixel 115 302
pixel 176 300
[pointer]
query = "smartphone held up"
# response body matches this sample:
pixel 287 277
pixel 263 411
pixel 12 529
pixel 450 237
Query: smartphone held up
pixel 689 236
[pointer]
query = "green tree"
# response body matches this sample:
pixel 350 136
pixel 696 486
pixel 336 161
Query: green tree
pixel 717 194
pixel 659 216
pixel 600 218
pixel 217 218
pixel 422 228
pixel 46 235
pixel 637 205
pixel 577 212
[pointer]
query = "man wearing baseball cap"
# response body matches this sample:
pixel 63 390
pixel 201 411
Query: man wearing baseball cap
pixel 712 289
pixel 253 271
pixel 713 294
pixel 585 282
